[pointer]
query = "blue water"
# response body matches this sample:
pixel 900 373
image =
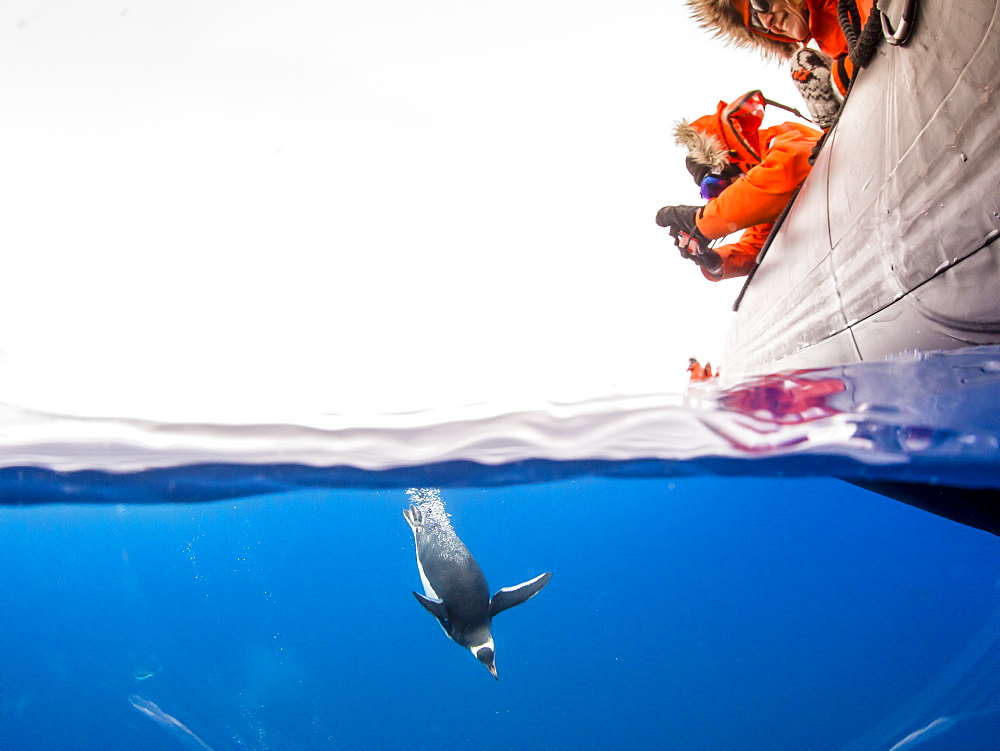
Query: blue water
pixel 686 611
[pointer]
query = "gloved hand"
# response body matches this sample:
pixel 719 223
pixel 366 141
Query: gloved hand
pixel 682 221
pixel 692 244
pixel 679 217
pixel 708 259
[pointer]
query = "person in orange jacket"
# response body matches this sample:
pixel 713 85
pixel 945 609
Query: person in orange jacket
pixel 748 174
pixel 697 372
pixel 782 28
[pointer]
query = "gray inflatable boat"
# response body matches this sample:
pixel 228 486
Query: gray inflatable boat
pixel 893 243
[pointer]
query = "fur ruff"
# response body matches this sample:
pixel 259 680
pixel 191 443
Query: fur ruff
pixel 703 148
pixel 725 22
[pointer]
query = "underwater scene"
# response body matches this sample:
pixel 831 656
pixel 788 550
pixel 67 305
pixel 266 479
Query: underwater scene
pixel 778 584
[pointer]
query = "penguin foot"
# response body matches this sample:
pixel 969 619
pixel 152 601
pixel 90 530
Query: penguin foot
pixel 414 517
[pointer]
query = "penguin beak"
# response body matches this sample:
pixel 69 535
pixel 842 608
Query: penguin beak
pixel 485 655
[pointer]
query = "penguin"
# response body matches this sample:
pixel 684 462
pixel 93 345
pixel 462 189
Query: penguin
pixel 455 590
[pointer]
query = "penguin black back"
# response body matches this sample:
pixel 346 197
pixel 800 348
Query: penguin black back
pixel 455 589
pixel 447 569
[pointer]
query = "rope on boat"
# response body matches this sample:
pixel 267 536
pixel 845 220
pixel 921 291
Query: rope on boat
pixel 861 42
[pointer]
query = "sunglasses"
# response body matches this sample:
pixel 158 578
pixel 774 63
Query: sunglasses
pixel 759 6
pixel 713 185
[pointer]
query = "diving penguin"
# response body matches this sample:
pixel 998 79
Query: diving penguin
pixel 455 590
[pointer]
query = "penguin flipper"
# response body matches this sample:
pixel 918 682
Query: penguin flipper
pixel 434 606
pixel 508 597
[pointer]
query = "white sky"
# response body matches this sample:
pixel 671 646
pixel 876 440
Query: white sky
pixel 228 209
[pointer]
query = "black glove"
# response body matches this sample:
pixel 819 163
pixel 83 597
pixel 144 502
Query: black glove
pixel 679 217
pixel 707 259
pixel 684 229
pixel 682 220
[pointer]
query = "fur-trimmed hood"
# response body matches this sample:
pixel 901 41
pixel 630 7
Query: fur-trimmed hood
pixel 702 148
pixel 730 135
pixel 727 19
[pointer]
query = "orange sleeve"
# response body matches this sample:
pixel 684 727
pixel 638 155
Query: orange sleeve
pixel 843 72
pixel 738 258
pixel 843 69
pixel 865 9
pixel 762 193
pixel 824 24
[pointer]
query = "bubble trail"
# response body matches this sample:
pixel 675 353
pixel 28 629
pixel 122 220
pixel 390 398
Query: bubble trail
pixel 176 728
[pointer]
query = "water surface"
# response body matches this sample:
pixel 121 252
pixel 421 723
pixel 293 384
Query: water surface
pixel 737 597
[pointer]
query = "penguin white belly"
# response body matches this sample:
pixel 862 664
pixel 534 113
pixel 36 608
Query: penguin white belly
pixel 428 589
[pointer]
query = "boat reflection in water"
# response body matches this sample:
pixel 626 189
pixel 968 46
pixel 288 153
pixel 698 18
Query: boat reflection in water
pixel 775 413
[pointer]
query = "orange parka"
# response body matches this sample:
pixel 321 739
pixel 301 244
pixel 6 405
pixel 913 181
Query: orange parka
pixel 774 162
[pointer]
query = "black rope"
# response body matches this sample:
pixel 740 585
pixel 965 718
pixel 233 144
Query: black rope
pixel 829 129
pixel 861 42
pixel 850 22
pixel 787 109
pixel 765 247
